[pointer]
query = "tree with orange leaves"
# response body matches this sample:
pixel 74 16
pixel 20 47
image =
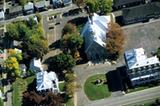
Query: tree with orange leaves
pixel 115 41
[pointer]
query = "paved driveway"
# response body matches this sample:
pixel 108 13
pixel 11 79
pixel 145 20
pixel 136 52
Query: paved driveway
pixel 144 35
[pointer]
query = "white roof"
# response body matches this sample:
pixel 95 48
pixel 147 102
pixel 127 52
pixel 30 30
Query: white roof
pixel 95 30
pixel 36 63
pixel 45 80
pixel 1 14
pixel 136 58
pixel 29 6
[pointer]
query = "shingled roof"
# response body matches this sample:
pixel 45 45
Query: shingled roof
pixel 123 2
pixel 149 10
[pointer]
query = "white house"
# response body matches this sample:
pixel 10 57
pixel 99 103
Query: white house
pixel 29 8
pixel 94 34
pixel 35 65
pixel 2 15
pixel 47 81
pixel 140 68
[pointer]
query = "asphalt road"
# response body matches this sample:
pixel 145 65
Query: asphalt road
pixel 51 11
pixel 129 98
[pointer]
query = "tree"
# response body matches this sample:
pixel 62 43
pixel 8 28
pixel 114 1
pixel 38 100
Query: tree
pixel 103 6
pixel 69 29
pixel 23 31
pixel 22 2
pixel 12 31
pixel 61 62
pixel 13 53
pixel 79 2
pixel 31 98
pixel 71 86
pixel 12 66
pixel 115 41
pixel 36 47
pixel 72 41
pixel 93 5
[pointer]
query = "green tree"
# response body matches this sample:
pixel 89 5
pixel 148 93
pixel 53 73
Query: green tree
pixel 23 30
pixel 61 62
pixel 36 47
pixel 103 6
pixel 12 31
pixel 72 41
pixel 12 66
pixel 93 5
pixel 69 29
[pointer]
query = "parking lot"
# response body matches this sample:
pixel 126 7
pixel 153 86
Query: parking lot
pixel 144 35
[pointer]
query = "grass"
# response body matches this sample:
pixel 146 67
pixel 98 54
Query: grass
pixel 95 92
pixel 142 87
pixel 138 89
pixel 19 86
pixel 70 102
pixel 1 102
pixel 62 86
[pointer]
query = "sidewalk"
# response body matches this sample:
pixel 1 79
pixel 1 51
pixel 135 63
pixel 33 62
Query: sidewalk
pixel 9 95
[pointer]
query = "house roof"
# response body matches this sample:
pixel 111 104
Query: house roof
pixel 40 4
pixel 1 14
pixel 45 80
pixel 37 63
pixel 95 30
pixel 136 58
pixel 117 3
pixel 29 6
pixel 67 2
pixel 13 9
pixel 141 11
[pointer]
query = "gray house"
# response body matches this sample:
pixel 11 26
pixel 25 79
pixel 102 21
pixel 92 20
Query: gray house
pixel 141 13
pixel 94 34
pixel 119 4
pixel 140 68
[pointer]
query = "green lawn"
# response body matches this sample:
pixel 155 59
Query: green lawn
pixel 1 102
pixel 62 86
pixel 137 89
pixel 19 86
pixel 70 102
pixel 95 92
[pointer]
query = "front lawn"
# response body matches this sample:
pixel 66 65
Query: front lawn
pixel 19 86
pixel 142 87
pixel 62 86
pixel 94 91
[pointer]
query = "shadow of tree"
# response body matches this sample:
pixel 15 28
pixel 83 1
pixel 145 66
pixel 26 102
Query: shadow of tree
pixel 32 86
pixel 55 45
pixel 78 21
